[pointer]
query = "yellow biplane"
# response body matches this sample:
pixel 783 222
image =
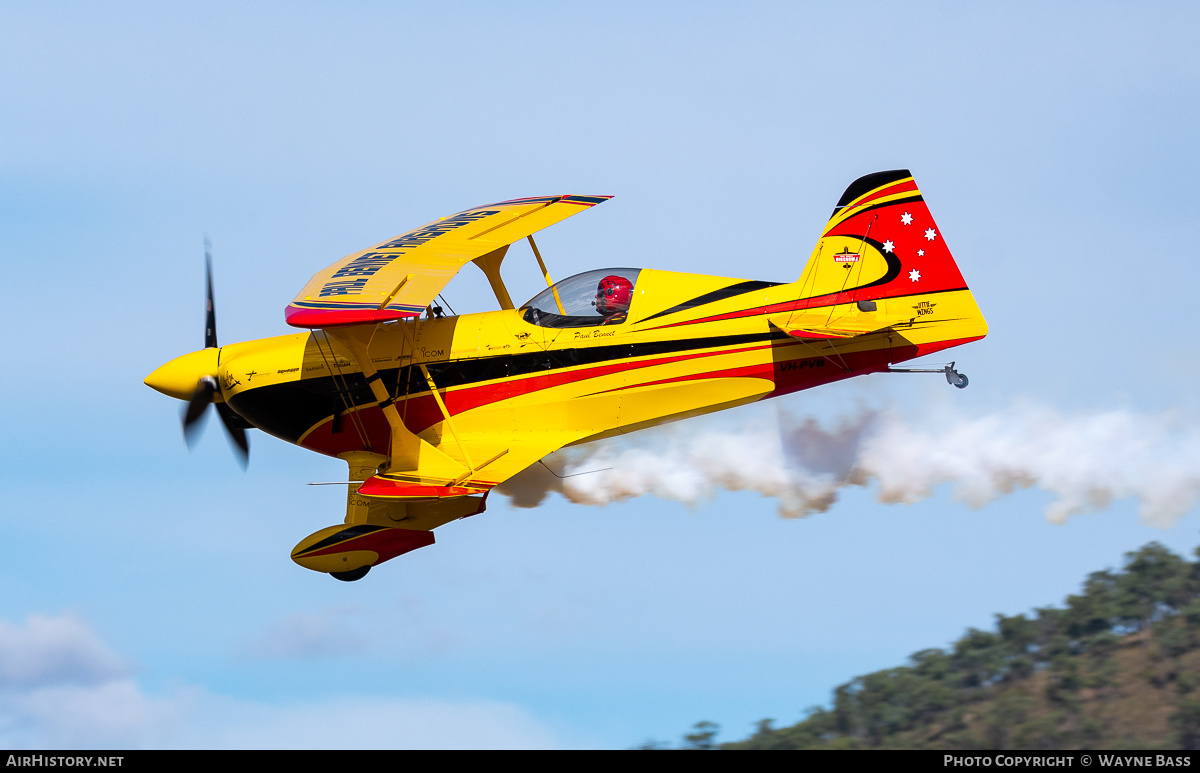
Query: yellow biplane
pixel 431 411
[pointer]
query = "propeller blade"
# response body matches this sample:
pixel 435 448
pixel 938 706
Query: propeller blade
pixel 207 386
pixel 237 434
pixel 210 313
pixel 201 398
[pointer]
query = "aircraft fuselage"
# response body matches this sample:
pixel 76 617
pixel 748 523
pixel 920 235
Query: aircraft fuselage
pixel 499 374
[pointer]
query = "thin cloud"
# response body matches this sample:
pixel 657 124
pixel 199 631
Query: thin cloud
pixel 47 651
pixel 302 636
pixel 78 695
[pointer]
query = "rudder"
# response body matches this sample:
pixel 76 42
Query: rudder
pixel 881 262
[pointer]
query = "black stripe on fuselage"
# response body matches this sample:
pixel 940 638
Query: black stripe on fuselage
pixel 350 532
pixel 716 295
pixel 288 410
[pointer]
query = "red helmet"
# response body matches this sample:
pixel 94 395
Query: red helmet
pixel 613 295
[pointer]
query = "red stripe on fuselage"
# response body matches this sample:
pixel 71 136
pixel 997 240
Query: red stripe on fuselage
pixel 819 301
pixel 421 412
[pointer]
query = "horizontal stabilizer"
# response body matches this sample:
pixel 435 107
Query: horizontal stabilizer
pixel 820 327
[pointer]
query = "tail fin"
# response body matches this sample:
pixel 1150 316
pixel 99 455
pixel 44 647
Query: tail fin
pixel 881 262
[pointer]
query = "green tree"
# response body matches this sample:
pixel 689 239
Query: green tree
pixel 704 736
pixel 1156 582
pixel 1186 723
pixel 1049 680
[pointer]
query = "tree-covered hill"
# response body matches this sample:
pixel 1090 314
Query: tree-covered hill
pixel 1117 666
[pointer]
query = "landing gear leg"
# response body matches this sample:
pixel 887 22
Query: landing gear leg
pixel 953 377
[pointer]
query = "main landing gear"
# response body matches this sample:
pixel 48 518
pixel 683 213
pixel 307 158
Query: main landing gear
pixel 352 575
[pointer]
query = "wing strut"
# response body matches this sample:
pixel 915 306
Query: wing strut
pixel 410 455
pixel 545 273
pixel 471 466
pixel 408 452
pixel 490 265
pixel 437 396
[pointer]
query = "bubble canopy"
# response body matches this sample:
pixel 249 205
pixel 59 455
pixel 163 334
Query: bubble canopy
pixel 572 302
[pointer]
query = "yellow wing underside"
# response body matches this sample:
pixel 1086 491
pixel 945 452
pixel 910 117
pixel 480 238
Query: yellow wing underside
pixel 400 277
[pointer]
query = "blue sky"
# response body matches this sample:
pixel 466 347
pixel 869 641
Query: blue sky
pixel 147 598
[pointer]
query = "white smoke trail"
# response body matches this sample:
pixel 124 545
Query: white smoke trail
pixel 1086 461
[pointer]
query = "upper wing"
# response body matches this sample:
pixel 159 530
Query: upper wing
pixel 402 276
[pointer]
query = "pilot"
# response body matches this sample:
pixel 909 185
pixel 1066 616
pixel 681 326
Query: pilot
pixel 613 295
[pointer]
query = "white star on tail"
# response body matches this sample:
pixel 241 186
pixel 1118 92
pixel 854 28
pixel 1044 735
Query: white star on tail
pixel 920 253
pixel 930 234
pixel 888 246
pixel 914 275
pixel 906 219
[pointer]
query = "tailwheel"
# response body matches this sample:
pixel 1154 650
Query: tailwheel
pixel 956 379
pixel 352 575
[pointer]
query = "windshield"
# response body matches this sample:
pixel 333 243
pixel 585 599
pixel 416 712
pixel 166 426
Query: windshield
pixel 599 297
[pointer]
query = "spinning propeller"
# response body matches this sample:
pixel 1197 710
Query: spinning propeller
pixel 193 377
